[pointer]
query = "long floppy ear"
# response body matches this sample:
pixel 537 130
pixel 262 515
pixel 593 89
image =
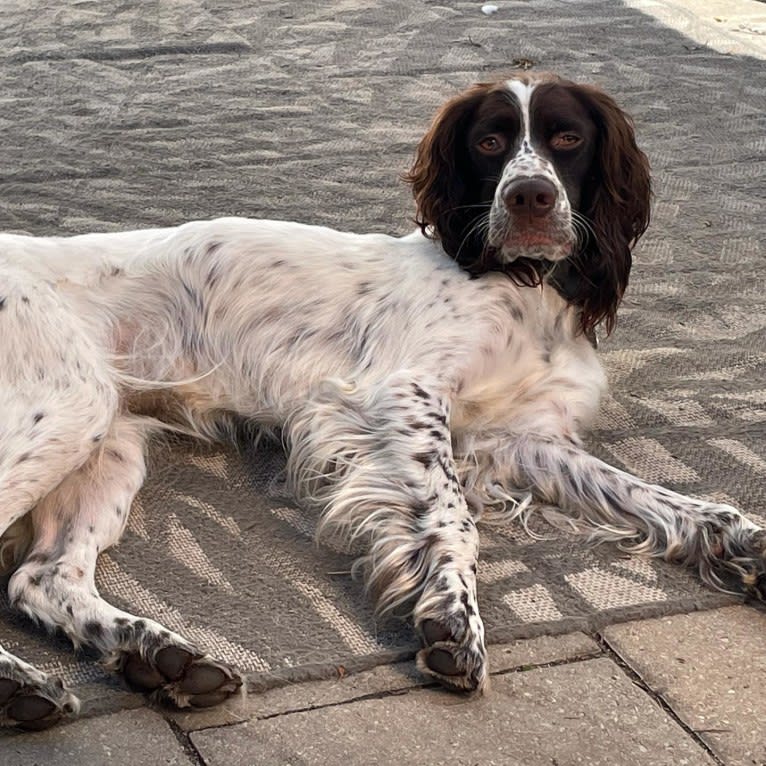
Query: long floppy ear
pixel 616 202
pixel 440 177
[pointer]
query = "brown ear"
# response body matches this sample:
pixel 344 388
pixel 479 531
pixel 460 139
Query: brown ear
pixel 616 203
pixel 441 181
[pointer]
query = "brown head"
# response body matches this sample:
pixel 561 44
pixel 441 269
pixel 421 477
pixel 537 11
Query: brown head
pixel 537 176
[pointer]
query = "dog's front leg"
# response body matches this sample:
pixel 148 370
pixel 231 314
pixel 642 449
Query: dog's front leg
pixel 605 503
pixel 379 462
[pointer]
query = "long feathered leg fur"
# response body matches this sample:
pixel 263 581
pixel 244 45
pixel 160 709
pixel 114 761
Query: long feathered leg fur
pixel 379 463
pixel 609 505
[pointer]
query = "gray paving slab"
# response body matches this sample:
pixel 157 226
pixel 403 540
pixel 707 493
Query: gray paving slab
pixel 100 699
pixel 386 679
pixel 541 650
pixel 130 738
pixel 581 713
pixel 711 669
pixel 126 31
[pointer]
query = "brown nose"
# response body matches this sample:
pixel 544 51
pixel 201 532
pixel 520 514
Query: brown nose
pixel 532 196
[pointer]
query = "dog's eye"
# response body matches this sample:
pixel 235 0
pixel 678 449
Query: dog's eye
pixel 492 144
pixel 565 140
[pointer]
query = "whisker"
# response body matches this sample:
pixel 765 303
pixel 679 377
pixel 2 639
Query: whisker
pixel 479 226
pixel 466 207
pixel 583 228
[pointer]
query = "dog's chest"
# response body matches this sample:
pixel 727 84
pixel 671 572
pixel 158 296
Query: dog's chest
pixel 539 373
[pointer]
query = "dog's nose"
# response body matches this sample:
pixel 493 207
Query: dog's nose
pixel 532 196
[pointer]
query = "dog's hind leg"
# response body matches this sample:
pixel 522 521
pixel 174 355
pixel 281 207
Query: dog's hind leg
pixel 380 464
pixel 56 403
pixel 57 395
pixel 30 699
pixel 55 583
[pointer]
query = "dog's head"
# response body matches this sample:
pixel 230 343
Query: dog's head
pixel 524 173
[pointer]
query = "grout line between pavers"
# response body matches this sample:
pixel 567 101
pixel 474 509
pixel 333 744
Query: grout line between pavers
pixel 184 740
pixel 624 665
pixel 591 655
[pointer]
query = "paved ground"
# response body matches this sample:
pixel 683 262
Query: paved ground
pixel 676 690
pixel 686 689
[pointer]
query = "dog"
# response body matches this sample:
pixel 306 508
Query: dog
pixel 415 381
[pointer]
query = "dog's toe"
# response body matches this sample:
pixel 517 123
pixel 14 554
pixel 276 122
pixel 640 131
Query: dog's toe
pixel 202 679
pixel 8 687
pixel 31 709
pixel 140 674
pixel 172 661
pixel 434 631
pixel 442 662
pixel 179 677
pixel 35 704
pixel 211 699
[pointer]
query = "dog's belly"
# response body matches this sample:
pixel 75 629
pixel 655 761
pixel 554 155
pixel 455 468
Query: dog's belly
pixel 252 317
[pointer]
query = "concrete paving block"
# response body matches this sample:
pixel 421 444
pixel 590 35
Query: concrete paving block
pixel 540 651
pixel 711 669
pixel 581 713
pixel 132 738
pixel 97 699
pixel 383 679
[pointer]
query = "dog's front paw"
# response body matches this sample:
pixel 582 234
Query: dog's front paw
pixel 453 646
pixel 738 563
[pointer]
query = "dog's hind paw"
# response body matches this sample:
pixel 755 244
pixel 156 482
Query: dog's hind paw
pixel 177 676
pixel 31 701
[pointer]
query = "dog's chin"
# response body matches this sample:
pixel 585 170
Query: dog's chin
pixel 512 240
pixel 535 246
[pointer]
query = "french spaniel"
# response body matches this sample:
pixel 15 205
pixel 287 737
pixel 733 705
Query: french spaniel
pixel 415 381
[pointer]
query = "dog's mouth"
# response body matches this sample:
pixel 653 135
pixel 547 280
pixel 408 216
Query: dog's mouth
pixel 513 237
pixel 531 239
pixel 535 244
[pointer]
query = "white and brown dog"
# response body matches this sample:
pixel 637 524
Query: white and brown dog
pixel 415 382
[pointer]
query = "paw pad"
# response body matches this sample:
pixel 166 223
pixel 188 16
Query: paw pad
pixel 442 662
pixel 177 676
pixel 35 704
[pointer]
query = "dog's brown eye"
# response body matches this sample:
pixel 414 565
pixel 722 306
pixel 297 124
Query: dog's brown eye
pixel 493 144
pixel 565 140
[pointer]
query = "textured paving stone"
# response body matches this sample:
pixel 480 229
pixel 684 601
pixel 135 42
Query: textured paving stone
pixel 711 669
pixel 581 713
pixel 729 26
pixel 133 738
pixel 384 679
pixel 538 651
